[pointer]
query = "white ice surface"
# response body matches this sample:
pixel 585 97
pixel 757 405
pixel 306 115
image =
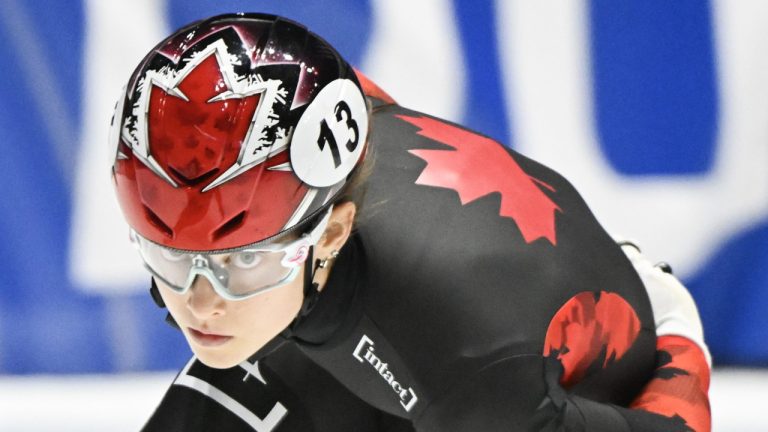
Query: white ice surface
pixel 119 403
pixel 79 403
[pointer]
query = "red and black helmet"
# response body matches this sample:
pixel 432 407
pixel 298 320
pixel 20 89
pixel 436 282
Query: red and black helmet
pixel 234 130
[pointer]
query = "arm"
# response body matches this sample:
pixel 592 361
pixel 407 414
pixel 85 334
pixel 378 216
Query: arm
pixel 681 381
pixel 524 392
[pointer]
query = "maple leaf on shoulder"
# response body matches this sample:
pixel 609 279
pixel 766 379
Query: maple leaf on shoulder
pixel 479 166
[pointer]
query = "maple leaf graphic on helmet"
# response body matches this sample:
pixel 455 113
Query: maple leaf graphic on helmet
pixel 479 166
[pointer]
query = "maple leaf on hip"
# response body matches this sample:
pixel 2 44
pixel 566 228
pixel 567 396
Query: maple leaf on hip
pixel 479 166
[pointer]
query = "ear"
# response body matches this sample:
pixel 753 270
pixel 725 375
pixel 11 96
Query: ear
pixel 338 230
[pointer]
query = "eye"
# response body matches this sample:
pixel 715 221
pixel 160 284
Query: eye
pixel 246 260
pixel 172 255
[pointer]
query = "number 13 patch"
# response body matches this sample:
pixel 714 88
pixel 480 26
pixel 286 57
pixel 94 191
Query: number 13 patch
pixel 330 135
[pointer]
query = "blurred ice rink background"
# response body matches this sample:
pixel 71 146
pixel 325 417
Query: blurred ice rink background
pixel 657 111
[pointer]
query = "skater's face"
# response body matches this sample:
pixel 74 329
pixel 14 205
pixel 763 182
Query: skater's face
pixel 223 333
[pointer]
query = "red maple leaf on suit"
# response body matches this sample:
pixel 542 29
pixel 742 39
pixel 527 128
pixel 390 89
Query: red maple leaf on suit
pixel 479 166
pixel 680 384
pixel 590 330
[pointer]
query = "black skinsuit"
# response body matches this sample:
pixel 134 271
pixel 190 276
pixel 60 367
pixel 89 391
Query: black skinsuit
pixel 476 284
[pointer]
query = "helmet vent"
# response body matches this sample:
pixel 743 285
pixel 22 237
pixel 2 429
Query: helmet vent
pixel 157 222
pixel 192 181
pixel 229 226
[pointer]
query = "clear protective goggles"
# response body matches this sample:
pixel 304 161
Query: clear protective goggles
pixel 234 275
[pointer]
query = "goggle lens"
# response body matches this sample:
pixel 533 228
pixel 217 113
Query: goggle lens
pixel 238 274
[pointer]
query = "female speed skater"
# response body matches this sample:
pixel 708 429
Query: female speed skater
pixel 339 262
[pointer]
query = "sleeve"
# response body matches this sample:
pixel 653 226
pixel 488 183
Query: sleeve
pixel 263 397
pixel 526 392
pixel 523 393
pixel 680 384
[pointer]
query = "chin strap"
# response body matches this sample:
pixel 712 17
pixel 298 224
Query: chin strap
pixel 155 293
pixel 311 292
pixel 311 288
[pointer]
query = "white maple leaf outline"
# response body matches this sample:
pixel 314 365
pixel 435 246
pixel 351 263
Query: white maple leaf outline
pixel 256 146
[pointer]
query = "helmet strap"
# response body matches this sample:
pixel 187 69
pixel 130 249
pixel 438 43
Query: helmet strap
pixel 311 292
pixel 155 293
pixel 171 322
pixel 158 299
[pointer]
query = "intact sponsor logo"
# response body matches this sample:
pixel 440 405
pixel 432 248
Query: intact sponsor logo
pixel 365 352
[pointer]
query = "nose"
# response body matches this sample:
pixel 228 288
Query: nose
pixel 203 301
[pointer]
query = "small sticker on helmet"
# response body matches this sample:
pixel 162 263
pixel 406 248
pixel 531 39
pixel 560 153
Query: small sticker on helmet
pixel 330 136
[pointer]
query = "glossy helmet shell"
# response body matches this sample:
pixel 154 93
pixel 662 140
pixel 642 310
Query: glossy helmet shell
pixel 234 130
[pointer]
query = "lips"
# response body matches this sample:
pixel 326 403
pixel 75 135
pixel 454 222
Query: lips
pixel 207 339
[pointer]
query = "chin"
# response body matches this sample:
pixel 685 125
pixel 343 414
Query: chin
pixel 218 360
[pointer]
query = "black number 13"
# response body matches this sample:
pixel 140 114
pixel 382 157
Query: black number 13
pixel 343 113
